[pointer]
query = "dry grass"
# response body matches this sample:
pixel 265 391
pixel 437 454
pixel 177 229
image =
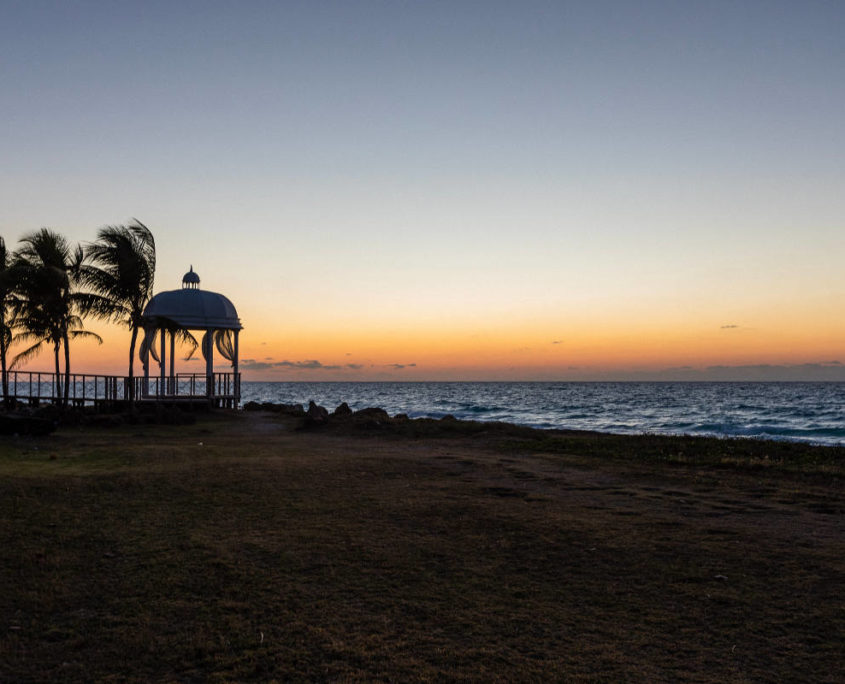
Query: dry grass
pixel 236 549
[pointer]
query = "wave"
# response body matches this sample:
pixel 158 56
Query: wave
pixel 810 412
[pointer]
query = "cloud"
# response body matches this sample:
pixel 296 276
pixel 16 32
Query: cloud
pixel 311 364
pixel 400 366
pixel 308 364
pixel 557 341
pixel 730 326
pixel 252 364
pixel 762 372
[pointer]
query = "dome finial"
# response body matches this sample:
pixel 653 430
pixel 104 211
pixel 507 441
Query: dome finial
pixel 191 280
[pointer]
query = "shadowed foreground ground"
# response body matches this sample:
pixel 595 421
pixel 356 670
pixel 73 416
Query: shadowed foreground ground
pixel 237 549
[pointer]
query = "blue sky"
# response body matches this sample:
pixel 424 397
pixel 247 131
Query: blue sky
pixel 483 168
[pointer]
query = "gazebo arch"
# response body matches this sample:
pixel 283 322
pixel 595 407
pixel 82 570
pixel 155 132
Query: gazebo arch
pixel 192 309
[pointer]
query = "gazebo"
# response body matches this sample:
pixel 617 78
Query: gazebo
pixel 174 313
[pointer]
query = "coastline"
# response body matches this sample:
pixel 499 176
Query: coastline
pixel 243 547
pixel 791 411
pixel 702 450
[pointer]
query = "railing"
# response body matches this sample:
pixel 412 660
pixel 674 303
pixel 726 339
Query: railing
pixel 223 386
pixel 36 387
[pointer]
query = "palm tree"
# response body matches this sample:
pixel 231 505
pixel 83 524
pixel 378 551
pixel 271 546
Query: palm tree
pixel 123 271
pixel 48 306
pixel 6 288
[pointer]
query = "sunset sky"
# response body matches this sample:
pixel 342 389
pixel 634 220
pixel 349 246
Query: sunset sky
pixel 453 190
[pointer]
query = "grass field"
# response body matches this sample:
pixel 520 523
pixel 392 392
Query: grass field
pixel 239 549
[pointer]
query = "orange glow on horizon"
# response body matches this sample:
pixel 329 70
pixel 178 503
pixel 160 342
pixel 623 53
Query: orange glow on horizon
pixel 527 349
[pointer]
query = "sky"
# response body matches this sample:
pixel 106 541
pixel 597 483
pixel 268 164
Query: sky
pixel 452 190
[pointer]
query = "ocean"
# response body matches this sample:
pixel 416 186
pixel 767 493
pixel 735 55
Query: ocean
pixel 800 411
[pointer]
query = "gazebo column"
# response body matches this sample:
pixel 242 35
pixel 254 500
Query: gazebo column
pixel 146 361
pixel 236 381
pixel 161 362
pixel 173 362
pixel 209 363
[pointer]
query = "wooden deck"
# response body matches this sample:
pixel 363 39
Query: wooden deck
pixel 221 390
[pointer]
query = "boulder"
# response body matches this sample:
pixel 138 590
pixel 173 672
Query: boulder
pixel 316 411
pixel 342 410
pixel 373 413
pixel 287 409
pixel 294 410
pixel 316 416
pixel 371 418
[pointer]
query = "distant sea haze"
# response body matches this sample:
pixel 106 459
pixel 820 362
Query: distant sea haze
pixel 801 411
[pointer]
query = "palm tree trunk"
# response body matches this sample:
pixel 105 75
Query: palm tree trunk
pixel 67 370
pixel 132 365
pixel 6 401
pixel 58 374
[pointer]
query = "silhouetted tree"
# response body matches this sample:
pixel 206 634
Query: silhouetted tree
pixel 122 271
pixel 6 288
pixel 48 306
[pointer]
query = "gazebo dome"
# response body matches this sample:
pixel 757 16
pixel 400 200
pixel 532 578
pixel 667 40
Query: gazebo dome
pixel 194 309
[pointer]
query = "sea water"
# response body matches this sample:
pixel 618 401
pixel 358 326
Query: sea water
pixel 811 411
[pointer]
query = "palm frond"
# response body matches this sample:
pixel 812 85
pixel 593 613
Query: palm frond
pixel 85 334
pixel 24 336
pixel 27 354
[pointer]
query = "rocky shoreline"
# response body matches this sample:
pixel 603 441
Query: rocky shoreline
pixel 317 417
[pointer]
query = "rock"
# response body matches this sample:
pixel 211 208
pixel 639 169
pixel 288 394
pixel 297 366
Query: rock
pixel 294 410
pixel 371 418
pixel 287 409
pixel 377 414
pixel 316 416
pixel 316 411
pixel 342 410
pixel 401 418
